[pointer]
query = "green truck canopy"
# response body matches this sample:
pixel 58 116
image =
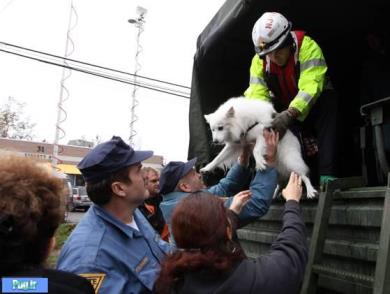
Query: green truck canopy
pixel 341 28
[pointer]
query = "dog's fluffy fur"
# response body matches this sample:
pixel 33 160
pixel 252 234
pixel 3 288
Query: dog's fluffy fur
pixel 231 125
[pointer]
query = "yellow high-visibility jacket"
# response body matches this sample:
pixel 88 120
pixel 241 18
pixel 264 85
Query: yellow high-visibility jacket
pixel 311 77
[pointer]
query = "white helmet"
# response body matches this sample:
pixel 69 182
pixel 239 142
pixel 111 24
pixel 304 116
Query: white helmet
pixel 269 32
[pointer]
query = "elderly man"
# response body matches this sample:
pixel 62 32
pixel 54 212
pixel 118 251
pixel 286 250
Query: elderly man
pixel 114 245
pixel 151 207
pixel 179 179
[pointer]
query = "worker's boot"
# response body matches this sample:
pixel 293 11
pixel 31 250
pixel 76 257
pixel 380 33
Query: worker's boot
pixel 324 179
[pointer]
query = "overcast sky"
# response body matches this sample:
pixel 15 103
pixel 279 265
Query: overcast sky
pixel 103 36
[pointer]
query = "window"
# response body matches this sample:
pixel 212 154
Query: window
pixel 41 149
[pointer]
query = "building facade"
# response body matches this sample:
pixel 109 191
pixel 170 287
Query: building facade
pixel 68 158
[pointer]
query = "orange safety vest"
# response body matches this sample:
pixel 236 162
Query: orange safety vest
pixel 165 231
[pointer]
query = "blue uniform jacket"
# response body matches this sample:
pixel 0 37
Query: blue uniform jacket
pixel 120 258
pixel 262 186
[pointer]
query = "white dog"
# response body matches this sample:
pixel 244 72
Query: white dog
pixel 240 121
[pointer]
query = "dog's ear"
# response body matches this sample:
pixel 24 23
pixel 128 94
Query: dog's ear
pixel 207 117
pixel 230 112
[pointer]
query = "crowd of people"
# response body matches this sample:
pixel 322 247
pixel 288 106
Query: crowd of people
pixel 124 249
pixel 167 232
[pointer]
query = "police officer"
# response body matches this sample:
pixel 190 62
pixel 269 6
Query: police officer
pixel 114 245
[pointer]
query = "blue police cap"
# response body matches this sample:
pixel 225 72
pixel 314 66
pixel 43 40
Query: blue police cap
pixel 109 157
pixel 172 173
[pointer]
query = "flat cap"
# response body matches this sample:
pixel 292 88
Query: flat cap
pixel 109 157
pixel 172 173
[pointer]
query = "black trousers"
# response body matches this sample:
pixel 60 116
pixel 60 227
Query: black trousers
pixel 322 123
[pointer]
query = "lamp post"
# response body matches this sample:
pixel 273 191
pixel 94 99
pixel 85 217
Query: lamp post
pixel 139 24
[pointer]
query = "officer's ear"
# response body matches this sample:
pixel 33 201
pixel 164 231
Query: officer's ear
pixel 118 189
pixel 184 187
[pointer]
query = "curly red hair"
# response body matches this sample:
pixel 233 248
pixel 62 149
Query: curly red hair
pixel 31 208
pixel 199 226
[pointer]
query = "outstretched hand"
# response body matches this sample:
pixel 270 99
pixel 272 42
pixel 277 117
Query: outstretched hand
pixel 271 140
pixel 246 154
pixel 239 201
pixel 293 190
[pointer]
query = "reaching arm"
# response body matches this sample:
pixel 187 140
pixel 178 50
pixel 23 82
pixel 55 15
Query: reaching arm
pixel 289 253
pixel 312 77
pixel 235 181
pixel 262 189
pixel 263 185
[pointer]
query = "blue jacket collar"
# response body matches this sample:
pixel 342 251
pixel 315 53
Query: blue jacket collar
pixel 177 195
pixel 174 195
pixel 113 220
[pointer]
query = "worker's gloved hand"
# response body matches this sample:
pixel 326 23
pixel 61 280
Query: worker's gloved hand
pixel 284 120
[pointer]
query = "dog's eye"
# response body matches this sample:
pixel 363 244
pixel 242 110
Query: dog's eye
pixel 220 128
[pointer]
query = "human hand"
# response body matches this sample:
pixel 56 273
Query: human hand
pixel 271 142
pixel 239 201
pixel 246 154
pixel 284 120
pixel 293 190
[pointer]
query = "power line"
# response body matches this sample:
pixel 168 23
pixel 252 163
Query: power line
pixel 92 68
pixel 6 6
pixel 91 64
pixel 96 72
pixel 92 73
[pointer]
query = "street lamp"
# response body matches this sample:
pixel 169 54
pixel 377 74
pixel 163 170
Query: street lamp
pixel 139 24
pixel 141 12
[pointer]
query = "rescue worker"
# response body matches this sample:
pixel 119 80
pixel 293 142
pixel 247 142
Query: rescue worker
pixel 289 70
pixel 114 245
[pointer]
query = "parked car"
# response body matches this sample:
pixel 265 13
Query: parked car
pixel 79 199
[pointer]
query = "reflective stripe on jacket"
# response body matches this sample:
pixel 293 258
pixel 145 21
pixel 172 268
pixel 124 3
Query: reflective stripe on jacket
pixel 311 77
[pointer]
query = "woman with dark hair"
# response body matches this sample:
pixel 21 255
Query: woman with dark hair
pixel 208 260
pixel 31 209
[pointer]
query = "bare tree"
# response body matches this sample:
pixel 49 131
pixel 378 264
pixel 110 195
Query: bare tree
pixel 97 140
pixel 13 123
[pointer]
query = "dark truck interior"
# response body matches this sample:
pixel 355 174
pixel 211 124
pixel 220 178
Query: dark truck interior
pixel 355 39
